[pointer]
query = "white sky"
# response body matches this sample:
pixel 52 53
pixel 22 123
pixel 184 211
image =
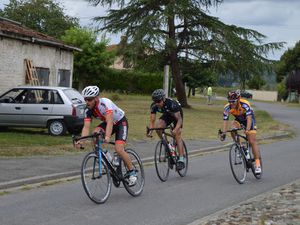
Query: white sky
pixel 276 19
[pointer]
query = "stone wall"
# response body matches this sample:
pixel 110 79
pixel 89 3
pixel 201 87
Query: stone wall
pixel 264 95
pixel 12 66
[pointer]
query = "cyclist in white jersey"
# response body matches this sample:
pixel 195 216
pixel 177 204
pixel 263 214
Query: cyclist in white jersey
pixel 114 122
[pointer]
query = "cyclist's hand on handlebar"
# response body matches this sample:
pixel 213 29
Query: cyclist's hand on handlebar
pixel 106 139
pixel 149 134
pixel 222 136
pixel 78 144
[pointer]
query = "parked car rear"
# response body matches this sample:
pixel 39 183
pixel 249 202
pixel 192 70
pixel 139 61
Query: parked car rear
pixel 246 94
pixel 60 109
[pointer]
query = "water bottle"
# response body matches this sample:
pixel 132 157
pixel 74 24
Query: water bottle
pixel 246 150
pixel 172 149
pixel 108 155
pixel 116 161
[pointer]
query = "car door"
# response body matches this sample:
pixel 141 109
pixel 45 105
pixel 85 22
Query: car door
pixel 36 108
pixel 11 109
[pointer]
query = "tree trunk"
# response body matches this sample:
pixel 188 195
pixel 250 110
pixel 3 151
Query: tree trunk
pixel 172 48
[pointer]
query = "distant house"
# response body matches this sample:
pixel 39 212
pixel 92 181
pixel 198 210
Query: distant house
pixel 120 61
pixel 52 58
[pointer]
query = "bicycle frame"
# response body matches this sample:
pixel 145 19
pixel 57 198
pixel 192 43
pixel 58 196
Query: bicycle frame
pixel 237 136
pixel 99 151
pixel 165 139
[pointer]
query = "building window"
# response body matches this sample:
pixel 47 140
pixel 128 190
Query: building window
pixel 64 77
pixel 43 75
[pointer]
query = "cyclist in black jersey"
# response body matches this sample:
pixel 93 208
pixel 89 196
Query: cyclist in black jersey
pixel 171 113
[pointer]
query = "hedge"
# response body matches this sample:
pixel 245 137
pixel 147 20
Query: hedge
pixel 129 81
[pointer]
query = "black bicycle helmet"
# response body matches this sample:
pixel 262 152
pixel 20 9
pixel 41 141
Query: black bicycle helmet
pixel 234 95
pixel 158 95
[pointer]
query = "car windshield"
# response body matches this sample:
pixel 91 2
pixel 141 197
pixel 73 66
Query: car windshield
pixel 74 95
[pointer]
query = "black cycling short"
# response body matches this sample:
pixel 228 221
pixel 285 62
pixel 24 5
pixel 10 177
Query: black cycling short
pixel 120 129
pixel 170 120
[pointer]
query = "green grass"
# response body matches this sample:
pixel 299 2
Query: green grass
pixel 201 121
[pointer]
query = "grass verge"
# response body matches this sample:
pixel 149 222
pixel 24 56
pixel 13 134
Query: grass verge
pixel 201 121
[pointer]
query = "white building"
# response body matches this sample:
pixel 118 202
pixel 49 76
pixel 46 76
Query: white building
pixel 52 59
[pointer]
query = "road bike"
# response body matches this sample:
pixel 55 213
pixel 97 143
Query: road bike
pixel 241 158
pixel 98 171
pixel 166 155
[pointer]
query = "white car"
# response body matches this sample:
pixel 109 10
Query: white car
pixel 59 109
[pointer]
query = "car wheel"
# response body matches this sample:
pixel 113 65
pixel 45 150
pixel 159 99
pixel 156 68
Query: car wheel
pixel 3 128
pixel 56 127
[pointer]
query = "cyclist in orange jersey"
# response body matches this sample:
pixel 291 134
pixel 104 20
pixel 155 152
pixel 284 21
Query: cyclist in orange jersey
pixel 244 117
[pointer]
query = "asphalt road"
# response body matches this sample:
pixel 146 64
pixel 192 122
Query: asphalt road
pixel 208 187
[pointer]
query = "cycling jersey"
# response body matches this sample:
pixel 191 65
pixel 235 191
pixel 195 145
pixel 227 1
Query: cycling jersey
pixel 240 113
pixel 103 107
pixel 168 110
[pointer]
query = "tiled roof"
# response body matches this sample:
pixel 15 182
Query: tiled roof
pixel 15 30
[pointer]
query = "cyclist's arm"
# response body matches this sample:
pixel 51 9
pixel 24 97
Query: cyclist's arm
pixel 109 125
pixel 225 125
pixel 249 121
pixel 85 131
pixel 152 120
pixel 86 127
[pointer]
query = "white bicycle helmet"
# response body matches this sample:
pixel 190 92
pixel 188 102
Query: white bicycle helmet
pixel 90 92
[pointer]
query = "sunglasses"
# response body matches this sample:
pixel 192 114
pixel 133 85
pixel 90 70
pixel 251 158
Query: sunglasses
pixel 232 101
pixel 88 99
pixel 159 101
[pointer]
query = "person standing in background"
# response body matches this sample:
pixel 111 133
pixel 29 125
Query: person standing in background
pixel 209 95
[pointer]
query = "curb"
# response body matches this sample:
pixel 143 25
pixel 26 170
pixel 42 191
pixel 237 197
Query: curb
pixel 55 176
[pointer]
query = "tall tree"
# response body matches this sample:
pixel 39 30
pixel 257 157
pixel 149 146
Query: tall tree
pixel 45 16
pixel 92 61
pixel 183 29
pixel 289 61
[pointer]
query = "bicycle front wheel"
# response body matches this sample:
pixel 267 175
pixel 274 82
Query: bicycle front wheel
pixel 162 161
pixel 97 186
pixel 237 164
pixel 136 189
pixel 183 172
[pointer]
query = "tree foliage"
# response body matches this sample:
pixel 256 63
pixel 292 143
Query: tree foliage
pixel 183 28
pixel 45 16
pixel 289 61
pixel 93 61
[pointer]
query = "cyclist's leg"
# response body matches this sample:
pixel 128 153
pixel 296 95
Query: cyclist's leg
pixel 235 125
pixel 121 130
pixel 178 140
pixel 161 123
pixel 252 141
pixel 180 164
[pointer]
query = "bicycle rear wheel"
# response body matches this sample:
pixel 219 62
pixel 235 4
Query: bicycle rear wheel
pixel 137 189
pixel 183 172
pixel 237 164
pixel 162 161
pixel 96 186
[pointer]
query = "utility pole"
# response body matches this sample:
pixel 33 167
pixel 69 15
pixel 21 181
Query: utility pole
pixel 166 80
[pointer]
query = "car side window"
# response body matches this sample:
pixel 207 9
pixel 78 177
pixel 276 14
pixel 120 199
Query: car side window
pixel 30 97
pixel 55 98
pixel 45 97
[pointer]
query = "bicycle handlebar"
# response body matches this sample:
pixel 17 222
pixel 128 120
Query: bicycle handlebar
pixel 231 130
pixel 158 128
pixel 94 135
